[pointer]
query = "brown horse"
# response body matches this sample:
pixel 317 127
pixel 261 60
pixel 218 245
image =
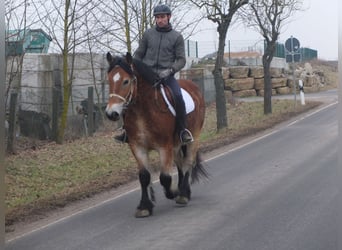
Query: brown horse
pixel 151 126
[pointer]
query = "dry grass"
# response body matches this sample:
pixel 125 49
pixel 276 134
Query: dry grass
pixel 246 118
pixel 52 175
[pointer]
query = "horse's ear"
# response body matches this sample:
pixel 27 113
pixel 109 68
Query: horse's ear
pixel 129 58
pixel 109 57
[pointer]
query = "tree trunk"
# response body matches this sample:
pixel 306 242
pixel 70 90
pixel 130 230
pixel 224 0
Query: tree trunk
pixel 66 83
pixel 221 109
pixel 66 97
pixel 127 27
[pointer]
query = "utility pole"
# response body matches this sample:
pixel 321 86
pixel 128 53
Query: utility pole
pixel 292 47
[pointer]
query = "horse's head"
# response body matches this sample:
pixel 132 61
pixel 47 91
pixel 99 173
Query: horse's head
pixel 122 82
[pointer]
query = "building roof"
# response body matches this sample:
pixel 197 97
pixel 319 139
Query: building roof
pixel 242 54
pixel 17 35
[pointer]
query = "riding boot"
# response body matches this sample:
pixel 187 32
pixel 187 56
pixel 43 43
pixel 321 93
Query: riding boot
pixel 184 134
pixel 121 138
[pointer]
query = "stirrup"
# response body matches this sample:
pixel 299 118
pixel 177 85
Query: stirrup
pixel 186 136
pixel 121 138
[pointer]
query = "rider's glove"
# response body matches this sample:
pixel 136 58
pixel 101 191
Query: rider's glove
pixel 165 73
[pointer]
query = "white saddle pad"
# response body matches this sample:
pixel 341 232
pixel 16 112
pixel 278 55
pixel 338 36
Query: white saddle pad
pixel 189 102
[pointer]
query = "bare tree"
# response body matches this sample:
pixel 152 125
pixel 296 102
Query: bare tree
pixel 91 46
pixel 17 25
pixel 74 25
pixel 268 17
pixel 122 22
pixel 63 20
pixel 221 13
pixel 114 25
pixel 16 22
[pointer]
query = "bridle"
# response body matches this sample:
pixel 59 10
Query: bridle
pixel 128 98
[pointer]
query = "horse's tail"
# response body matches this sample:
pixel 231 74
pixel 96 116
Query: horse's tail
pixel 198 171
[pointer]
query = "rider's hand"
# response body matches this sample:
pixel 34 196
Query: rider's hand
pixel 165 73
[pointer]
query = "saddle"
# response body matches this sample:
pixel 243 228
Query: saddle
pixel 188 101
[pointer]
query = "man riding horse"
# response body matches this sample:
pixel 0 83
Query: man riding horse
pixel 162 48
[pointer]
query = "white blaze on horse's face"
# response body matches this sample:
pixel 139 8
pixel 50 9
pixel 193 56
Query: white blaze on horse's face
pixel 116 77
pixel 119 90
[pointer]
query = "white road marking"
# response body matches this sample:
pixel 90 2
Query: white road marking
pixel 156 181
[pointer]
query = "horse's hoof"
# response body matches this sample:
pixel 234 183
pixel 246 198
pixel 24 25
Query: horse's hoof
pixel 142 213
pixel 182 200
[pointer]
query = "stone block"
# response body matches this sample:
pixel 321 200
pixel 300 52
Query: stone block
pixel 192 73
pixel 225 73
pixel 289 82
pixel 259 83
pixel 276 72
pixel 257 72
pixel 279 82
pixel 261 92
pixel 244 93
pixel 283 90
pixel 239 84
pixel 239 72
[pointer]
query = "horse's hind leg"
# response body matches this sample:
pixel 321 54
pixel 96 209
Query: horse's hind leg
pixel 184 161
pixel 145 207
pixel 166 181
pixel 184 194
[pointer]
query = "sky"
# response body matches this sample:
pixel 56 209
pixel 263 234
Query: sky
pixel 316 28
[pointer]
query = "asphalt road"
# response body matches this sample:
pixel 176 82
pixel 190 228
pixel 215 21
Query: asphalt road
pixel 275 192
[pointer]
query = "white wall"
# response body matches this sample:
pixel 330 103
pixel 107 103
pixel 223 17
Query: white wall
pixel 42 72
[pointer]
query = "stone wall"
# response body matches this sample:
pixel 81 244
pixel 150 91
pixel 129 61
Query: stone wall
pixel 246 81
pixel 43 72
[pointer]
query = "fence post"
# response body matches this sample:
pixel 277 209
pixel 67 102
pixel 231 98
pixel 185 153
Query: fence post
pixel 55 113
pixel 2 122
pixel 12 122
pixel 90 111
pixel 103 86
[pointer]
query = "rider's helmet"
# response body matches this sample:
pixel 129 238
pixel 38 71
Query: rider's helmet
pixel 161 9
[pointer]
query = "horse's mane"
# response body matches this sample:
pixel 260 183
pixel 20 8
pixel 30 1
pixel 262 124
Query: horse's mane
pixel 145 71
pixel 142 69
pixel 120 61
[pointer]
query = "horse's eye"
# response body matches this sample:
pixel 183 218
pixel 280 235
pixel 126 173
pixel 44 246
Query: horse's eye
pixel 125 82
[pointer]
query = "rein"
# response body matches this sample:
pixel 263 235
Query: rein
pixel 156 99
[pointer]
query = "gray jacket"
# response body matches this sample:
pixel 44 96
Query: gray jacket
pixel 162 50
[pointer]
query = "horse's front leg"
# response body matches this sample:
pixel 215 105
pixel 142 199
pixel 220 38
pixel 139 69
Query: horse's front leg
pixel 166 160
pixel 145 207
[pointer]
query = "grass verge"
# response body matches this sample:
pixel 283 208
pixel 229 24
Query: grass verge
pixel 52 175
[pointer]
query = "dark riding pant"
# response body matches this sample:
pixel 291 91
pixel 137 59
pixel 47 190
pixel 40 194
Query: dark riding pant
pixel 172 83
